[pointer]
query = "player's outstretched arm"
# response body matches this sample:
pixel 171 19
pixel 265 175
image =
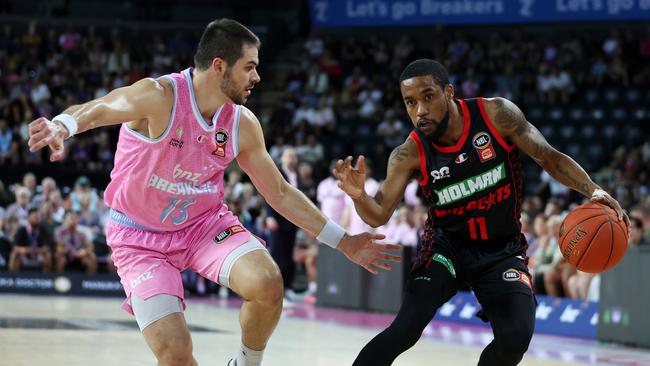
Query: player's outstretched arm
pixel 255 161
pixel 512 124
pixel 377 210
pixel 147 100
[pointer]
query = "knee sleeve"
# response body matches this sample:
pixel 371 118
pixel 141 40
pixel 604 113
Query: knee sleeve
pixel 154 308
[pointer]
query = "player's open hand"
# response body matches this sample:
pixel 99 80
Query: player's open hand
pixel 352 179
pixel 364 250
pixel 600 196
pixel 43 132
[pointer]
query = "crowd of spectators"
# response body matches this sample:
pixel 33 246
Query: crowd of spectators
pixel 42 228
pixel 341 97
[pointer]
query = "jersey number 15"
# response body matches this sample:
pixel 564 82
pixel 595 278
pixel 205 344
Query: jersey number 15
pixel 175 204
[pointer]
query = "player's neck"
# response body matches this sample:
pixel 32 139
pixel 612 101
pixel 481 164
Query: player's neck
pixel 208 97
pixel 455 128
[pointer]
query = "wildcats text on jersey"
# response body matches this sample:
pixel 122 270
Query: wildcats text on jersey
pixel 469 186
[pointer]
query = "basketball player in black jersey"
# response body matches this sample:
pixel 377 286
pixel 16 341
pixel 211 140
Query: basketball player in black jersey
pixel 465 154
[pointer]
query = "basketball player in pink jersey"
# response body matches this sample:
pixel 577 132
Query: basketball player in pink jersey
pixel 179 133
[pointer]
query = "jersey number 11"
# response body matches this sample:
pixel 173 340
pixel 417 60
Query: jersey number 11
pixel 482 228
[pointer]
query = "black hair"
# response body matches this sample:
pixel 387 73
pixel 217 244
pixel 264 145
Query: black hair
pixel 223 38
pixel 423 67
pixel 32 209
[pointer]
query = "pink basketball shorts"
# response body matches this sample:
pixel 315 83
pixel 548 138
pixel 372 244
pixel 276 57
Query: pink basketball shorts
pixel 149 262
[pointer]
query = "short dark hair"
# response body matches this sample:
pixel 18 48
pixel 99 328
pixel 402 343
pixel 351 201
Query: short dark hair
pixel 223 38
pixel 32 209
pixel 423 67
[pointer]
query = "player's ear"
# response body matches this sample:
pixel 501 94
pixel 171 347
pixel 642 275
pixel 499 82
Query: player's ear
pixel 449 91
pixel 219 65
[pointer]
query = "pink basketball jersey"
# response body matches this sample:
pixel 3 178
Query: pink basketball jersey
pixel 167 183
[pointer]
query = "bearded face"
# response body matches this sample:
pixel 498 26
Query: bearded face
pixel 427 105
pixel 240 78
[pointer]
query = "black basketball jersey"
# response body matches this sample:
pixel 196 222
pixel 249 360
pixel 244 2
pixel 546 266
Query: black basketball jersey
pixel 474 188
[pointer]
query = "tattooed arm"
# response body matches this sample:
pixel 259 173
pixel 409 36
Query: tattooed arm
pixel 376 211
pixel 513 126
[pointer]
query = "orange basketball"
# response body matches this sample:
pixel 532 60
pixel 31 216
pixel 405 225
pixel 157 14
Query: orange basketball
pixel 592 238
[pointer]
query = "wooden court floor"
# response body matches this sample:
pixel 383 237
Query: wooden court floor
pixel 76 331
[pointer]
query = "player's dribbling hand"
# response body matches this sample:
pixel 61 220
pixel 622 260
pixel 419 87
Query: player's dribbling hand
pixel 352 179
pixel 602 197
pixel 363 250
pixel 43 132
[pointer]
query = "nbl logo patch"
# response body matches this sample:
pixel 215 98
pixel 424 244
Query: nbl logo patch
pixel 481 140
pixel 221 138
pixel 483 145
pixel 227 233
pixel 513 275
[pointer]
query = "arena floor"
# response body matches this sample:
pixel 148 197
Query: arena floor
pixel 71 331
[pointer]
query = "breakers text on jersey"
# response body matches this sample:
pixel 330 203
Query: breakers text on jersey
pixel 181 188
pixel 469 186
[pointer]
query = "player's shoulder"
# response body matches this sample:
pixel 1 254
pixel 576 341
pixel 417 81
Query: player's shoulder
pixel 492 105
pixel 247 116
pixel 251 136
pixel 160 85
pixel 409 144
pixel 500 104
pixel 503 113
pixel 155 92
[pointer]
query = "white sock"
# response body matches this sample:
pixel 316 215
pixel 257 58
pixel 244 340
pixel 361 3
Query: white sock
pixel 312 287
pixel 248 357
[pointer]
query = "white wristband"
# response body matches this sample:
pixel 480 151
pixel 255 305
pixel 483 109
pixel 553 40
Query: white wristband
pixel 598 193
pixel 69 122
pixel 331 234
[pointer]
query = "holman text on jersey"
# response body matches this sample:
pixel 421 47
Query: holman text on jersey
pixel 469 186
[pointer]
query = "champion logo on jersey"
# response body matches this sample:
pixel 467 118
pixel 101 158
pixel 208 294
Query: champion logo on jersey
pixel 483 145
pixel 461 158
pixel 221 137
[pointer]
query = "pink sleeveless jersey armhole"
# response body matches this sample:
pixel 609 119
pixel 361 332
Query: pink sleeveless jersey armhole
pixel 169 182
